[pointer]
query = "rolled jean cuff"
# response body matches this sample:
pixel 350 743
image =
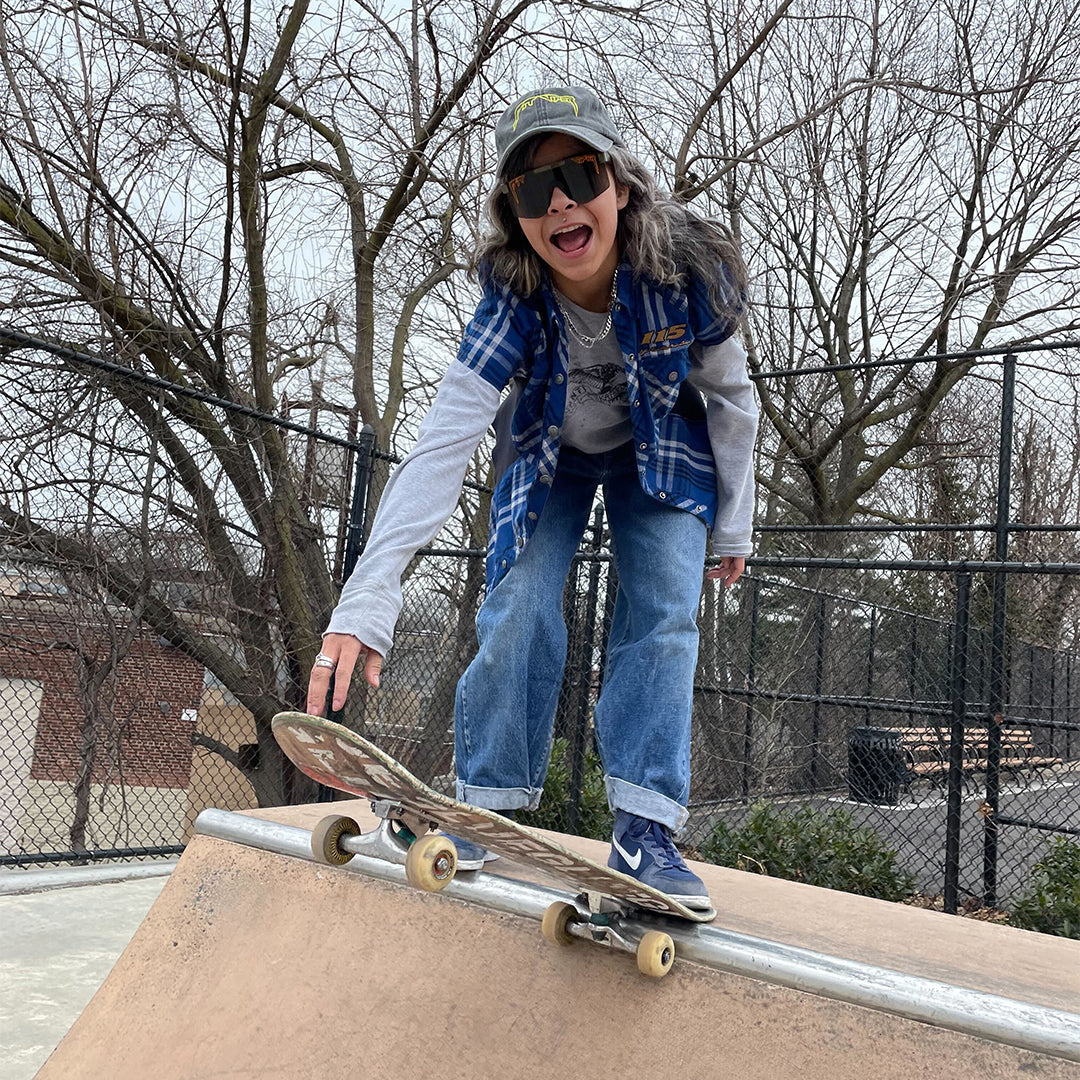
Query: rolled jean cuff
pixel 499 799
pixel 645 803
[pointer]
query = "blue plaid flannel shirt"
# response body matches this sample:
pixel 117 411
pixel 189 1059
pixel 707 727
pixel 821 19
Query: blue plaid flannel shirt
pixel 510 336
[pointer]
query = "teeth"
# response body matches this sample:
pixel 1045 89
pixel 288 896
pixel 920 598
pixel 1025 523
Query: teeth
pixel 565 228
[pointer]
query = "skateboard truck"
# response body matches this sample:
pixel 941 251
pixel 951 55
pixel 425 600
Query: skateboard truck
pixel 599 918
pixel 401 837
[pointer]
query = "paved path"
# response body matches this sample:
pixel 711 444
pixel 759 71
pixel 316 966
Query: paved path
pixel 56 948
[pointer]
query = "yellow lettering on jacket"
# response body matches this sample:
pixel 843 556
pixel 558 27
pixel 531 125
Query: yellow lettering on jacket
pixel 667 335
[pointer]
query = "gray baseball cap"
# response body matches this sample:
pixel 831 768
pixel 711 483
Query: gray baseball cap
pixel 569 110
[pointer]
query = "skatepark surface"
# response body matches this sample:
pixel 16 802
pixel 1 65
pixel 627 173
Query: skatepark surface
pixel 59 939
pixel 256 964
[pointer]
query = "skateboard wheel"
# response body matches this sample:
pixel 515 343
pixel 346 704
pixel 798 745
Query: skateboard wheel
pixel 655 954
pixel 431 863
pixel 325 837
pixel 556 920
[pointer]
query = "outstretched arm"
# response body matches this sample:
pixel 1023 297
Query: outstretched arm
pixel 416 503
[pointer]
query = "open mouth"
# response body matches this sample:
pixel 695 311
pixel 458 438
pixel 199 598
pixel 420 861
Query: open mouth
pixel 572 240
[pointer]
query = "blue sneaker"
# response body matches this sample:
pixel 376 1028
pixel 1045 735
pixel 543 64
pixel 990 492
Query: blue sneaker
pixel 473 856
pixel 644 850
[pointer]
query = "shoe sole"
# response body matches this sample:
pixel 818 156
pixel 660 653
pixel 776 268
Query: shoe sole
pixel 695 903
pixel 475 864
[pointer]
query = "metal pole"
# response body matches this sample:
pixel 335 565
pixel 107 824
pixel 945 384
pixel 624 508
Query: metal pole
pixel 751 686
pixel 357 530
pixel 870 661
pixel 355 540
pixel 997 636
pixel 913 656
pixel 819 676
pixel 956 741
pixel 1068 706
pixel 578 741
pixel 1052 727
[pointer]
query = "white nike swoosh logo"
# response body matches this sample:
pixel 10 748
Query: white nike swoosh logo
pixel 633 862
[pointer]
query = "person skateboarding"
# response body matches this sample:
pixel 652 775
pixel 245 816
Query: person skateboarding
pixel 614 311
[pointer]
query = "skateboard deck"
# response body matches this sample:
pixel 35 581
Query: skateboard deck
pixel 339 758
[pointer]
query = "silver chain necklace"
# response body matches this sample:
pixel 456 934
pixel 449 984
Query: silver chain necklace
pixel 586 341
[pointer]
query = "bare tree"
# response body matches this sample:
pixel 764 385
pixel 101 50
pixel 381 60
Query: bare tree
pixel 272 208
pixel 903 182
pixel 175 187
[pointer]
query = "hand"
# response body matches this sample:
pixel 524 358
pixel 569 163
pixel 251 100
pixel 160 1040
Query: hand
pixel 345 650
pixel 729 571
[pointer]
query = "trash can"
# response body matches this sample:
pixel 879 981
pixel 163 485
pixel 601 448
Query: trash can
pixel 875 765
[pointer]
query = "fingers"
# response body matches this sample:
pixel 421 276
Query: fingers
pixel 373 667
pixel 324 667
pixel 338 657
pixel 729 571
pixel 343 672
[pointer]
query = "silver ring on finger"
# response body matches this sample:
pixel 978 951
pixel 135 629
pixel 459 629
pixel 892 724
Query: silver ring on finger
pixel 322 660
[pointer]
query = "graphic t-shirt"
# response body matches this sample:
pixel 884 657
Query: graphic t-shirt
pixel 597 408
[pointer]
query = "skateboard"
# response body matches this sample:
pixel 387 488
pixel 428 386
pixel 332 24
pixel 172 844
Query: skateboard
pixel 409 810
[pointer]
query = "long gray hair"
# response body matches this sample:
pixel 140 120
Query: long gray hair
pixel 660 237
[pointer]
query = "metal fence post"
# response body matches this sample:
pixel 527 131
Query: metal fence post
pixel 751 686
pixel 356 535
pixel 578 741
pixel 870 660
pixel 819 682
pixel 958 682
pixel 1068 706
pixel 355 540
pixel 913 657
pixel 997 636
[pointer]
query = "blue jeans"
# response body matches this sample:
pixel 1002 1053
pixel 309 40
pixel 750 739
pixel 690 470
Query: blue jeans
pixel 505 706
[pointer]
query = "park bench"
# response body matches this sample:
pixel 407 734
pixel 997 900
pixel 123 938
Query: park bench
pixel 926 750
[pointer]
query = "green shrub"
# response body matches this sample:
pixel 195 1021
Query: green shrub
pixel 1052 903
pixel 554 810
pixel 826 849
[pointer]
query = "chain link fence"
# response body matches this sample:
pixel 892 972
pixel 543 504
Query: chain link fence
pixel 924 690
pixel 821 697
pixel 143 645
pixel 914 674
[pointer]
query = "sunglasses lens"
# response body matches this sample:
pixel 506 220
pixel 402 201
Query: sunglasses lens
pixel 580 178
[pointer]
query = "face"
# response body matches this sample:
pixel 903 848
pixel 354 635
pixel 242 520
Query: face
pixel 577 240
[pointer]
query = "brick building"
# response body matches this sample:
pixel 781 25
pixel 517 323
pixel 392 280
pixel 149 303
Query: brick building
pixel 98 746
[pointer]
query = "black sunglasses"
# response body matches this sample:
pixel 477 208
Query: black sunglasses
pixel 581 178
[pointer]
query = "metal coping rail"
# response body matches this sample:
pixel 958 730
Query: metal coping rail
pixel 972 1012
pixel 50 878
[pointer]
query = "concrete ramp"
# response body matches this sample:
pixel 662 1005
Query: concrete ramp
pixel 259 964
